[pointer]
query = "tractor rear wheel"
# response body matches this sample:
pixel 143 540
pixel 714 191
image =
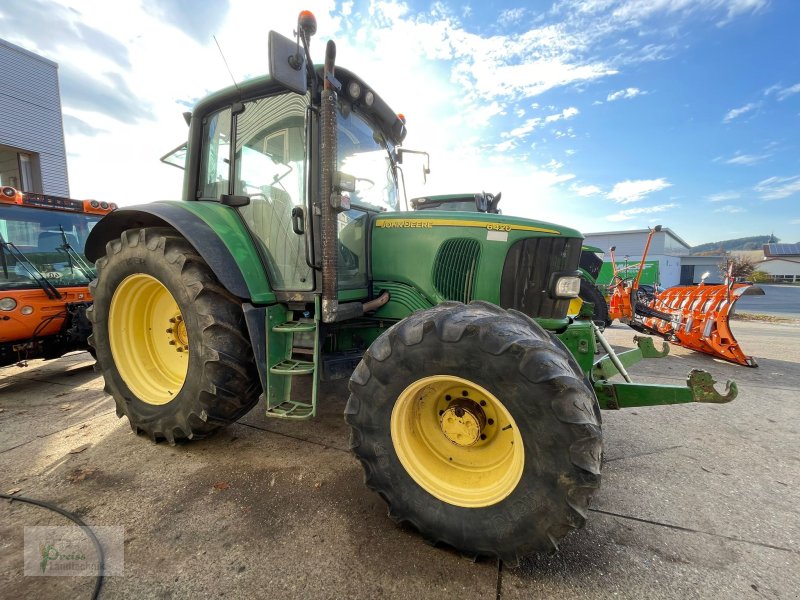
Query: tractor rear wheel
pixel 170 340
pixel 477 427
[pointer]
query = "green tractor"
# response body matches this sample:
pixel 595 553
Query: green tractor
pixel 474 401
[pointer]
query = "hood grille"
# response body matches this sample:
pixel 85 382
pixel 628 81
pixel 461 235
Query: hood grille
pixel 527 271
pixel 455 267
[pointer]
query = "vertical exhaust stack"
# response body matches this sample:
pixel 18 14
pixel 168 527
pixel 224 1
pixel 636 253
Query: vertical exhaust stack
pixel 330 288
pixel 332 203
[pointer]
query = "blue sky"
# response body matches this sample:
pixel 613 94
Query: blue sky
pixel 599 114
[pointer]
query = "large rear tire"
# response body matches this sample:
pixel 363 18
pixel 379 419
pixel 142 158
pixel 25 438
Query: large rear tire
pixel 171 342
pixel 477 427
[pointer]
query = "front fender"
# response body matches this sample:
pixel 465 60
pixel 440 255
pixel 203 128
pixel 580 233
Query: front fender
pixel 216 232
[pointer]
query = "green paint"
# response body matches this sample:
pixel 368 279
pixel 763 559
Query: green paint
pixel 282 367
pixel 227 224
pixel 632 395
pixel 404 251
pixel 650 273
pixel 580 341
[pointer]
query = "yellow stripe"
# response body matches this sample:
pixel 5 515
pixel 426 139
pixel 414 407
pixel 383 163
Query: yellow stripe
pixel 428 223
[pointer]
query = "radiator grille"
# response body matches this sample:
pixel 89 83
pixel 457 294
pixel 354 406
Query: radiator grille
pixel 455 267
pixel 526 275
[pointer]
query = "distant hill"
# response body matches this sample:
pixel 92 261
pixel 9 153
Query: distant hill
pixel 746 243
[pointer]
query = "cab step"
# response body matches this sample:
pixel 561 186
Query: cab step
pixel 292 351
pixel 292 366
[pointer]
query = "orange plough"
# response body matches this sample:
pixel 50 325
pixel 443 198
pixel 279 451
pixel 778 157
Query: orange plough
pixel 695 317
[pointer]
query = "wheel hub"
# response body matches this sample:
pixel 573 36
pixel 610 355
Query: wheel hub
pixel 462 422
pixel 177 334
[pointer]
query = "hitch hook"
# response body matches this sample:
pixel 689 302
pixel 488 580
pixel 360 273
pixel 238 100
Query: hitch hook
pixel 702 385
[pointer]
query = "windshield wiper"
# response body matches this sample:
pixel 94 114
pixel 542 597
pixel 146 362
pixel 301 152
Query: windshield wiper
pixel 74 258
pixel 3 260
pixel 34 272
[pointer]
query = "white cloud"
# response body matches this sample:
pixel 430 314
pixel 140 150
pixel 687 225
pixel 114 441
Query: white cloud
pixel 730 209
pixel 735 113
pixel 789 91
pixel 795 222
pixel 778 188
pixel 536 122
pixel 724 196
pixel 641 10
pixel 746 159
pixel 632 213
pixel 630 92
pixel 585 190
pixel 567 113
pixel 629 191
pixel 510 16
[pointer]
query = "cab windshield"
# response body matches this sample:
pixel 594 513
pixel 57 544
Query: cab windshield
pixel 364 153
pixel 34 247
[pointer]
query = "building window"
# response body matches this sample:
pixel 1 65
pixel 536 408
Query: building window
pixel 16 170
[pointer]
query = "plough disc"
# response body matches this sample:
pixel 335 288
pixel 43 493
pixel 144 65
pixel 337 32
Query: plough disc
pixel 695 317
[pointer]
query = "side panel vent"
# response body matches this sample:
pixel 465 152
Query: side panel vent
pixel 455 268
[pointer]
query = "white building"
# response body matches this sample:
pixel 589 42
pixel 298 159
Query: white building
pixel 666 247
pixel 32 153
pixel 782 262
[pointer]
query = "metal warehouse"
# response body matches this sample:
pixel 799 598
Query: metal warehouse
pixel 32 153
pixel 664 256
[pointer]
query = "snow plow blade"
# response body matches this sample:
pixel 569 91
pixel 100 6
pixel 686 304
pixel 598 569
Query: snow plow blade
pixel 696 317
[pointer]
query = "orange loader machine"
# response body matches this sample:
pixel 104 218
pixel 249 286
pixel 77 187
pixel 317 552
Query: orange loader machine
pixel 44 275
pixel 695 317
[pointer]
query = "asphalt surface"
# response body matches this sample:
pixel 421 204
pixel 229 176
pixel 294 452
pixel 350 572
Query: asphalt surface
pixel 777 301
pixel 697 501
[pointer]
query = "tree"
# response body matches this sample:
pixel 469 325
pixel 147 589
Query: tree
pixel 761 277
pixel 739 267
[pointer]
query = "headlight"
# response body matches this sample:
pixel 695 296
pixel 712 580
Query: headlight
pixel 26 310
pixel 8 304
pixel 567 287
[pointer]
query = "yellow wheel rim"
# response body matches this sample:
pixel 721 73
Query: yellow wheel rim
pixel 148 339
pixel 457 441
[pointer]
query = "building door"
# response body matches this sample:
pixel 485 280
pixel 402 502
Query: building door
pixel 687 274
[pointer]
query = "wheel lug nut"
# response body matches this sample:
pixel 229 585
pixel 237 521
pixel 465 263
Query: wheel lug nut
pixel 179 349
pixel 172 342
pixel 169 330
pixel 172 320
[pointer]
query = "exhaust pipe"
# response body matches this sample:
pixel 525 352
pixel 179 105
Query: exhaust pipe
pixel 332 205
pixel 330 250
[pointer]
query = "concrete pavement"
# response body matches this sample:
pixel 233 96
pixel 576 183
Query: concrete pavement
pixel 697 501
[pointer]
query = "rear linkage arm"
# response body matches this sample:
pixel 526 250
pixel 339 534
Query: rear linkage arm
pixel 627 394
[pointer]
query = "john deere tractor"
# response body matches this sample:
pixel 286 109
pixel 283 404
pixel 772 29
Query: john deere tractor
pixel 474 402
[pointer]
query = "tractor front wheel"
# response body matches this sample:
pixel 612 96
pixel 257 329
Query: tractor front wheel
pixel 591 293
pixel 477 427
pixel 170 341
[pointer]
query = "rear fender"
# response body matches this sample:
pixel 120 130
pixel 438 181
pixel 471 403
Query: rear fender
pixel 215 231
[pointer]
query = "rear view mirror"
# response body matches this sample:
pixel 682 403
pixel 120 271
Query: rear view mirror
pixel 287 63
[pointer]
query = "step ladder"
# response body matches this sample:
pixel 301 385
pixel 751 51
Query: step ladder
pixel 285 332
